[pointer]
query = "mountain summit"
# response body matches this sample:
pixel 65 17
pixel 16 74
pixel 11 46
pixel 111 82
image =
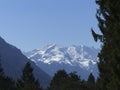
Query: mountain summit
pixel 51 58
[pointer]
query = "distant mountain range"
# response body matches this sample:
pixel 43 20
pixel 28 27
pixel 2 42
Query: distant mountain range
pixel 51 58
pixel 13 61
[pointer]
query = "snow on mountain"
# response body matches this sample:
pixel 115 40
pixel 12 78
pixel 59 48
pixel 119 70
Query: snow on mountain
pixel 51 58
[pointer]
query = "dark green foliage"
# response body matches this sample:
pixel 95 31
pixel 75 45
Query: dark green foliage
pixel 108 15
pixel 71 81
pixel 6 83
pixel 59 80
pixel 27 81
pixel 91 82
pixel 64 81
pixel 91 79
pixel 74 82
pixel 97 36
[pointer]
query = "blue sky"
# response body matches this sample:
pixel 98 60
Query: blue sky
pixel 30 24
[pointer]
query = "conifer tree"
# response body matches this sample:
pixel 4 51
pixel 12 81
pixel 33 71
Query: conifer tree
pixel 108 15
pixel 6 83
pixel 27 81
pixel 64 81
pixel 59 80
pixel 91 79
pixel 91 82
pixel 74 82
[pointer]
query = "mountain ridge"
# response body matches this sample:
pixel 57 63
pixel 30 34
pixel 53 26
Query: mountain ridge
pixel 13 61
pixel 53 57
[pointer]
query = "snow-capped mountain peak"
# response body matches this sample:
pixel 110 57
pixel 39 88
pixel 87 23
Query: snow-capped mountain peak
pixel 72 56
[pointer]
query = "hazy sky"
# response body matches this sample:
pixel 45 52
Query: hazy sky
pixel 30 24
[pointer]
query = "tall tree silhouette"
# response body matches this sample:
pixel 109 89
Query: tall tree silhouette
pixel 108 16
pixel 91 82
pixel 27 81
pixel 59 80
pixel 64 81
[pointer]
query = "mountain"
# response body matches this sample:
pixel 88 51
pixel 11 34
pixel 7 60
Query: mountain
pixel 13 61
pixel 51 58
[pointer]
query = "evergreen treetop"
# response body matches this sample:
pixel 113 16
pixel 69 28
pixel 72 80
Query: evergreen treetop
pixel 108 16
pixel 28 81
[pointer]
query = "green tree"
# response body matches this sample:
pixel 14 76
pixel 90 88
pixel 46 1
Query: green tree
pixel 108 16
pixel 90 82
pixel 6 83
pixel 27 81
pixel 74 82
pixel 64 81
pixel 91 78
pixel 59 80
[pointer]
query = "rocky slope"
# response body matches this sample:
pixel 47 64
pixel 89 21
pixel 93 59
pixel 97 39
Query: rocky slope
pixel 51 58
